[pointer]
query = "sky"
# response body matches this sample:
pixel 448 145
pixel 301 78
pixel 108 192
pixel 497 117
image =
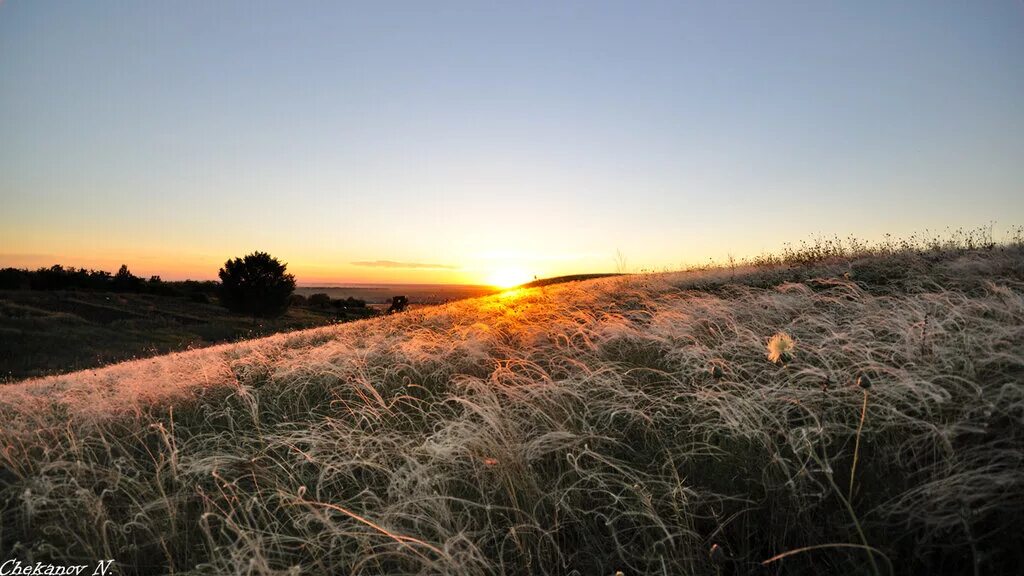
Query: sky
pixel 451 141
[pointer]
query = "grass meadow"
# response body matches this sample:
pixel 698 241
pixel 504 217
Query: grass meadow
pixel 631 425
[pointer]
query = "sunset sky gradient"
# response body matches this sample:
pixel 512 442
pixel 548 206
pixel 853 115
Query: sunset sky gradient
pixel 441 141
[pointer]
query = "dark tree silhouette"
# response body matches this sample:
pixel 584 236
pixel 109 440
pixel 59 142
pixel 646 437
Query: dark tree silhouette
pixel 256 285
pixel 125 281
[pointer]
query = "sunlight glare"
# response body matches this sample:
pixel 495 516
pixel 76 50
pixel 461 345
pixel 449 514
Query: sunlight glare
pixel 508 277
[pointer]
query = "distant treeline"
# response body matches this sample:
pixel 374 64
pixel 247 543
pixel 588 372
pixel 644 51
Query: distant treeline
pixel 58 277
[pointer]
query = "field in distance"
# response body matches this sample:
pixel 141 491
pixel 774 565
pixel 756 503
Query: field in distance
pixel 381 294
pixel 52 331
pixel 45 332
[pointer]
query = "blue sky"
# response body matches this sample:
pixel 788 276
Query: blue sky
pixel 478 136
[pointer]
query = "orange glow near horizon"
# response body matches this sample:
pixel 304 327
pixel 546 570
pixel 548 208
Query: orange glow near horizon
pixel 481 271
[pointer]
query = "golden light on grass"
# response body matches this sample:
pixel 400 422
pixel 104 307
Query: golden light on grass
pixel 508 277
pixel 535 395
pixel 780 348
pixel 511 294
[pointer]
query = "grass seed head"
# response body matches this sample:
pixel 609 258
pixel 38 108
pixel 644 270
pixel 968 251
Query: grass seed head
pixel 780 348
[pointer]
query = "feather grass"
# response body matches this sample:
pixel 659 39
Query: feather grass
pixel 567 429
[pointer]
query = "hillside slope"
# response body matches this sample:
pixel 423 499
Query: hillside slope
pixel 45 332
pixel 626 424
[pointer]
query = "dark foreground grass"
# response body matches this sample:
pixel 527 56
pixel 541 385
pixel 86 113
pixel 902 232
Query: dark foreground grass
pixel 629 424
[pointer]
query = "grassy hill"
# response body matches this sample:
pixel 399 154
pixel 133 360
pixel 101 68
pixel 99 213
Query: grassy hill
pixel 564 279
pixel 631 424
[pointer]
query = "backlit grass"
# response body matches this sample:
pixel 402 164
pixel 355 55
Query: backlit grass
pixel 631 424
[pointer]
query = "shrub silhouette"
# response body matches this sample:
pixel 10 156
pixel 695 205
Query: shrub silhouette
pixel 319 300
pixel 398 304
pixel 350 302
pixel 125 281
pixel 256 285
pixel 199 297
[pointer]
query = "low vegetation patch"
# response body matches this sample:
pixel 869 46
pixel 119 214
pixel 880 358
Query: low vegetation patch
pixel 44 332
pixel 834 416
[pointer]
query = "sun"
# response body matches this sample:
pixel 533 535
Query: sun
pixel 508 277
